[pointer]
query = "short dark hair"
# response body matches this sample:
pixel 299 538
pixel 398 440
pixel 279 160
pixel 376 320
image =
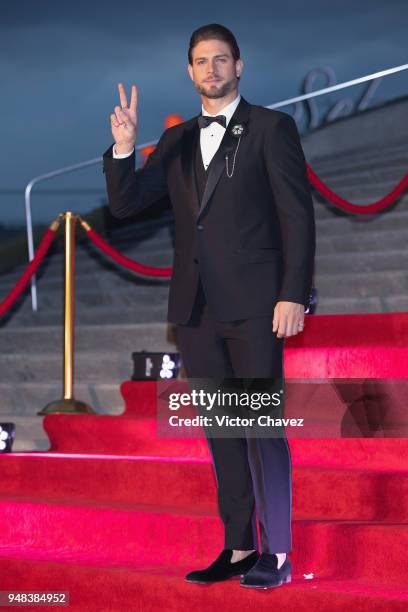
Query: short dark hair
pixel 213 30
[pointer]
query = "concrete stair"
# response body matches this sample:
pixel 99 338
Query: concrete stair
pixel 361 266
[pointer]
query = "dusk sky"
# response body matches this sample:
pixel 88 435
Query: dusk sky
pixel 61 62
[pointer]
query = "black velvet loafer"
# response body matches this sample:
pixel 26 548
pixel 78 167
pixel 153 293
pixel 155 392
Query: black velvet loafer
pixel 265 573
pixel 223 569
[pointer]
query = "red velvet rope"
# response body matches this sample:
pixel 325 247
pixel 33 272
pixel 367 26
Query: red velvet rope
pixel 30 269
pixel 359 209
pixel 122 259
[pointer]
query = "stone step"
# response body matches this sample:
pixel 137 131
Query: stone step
pixel 362 284
pixel 128 238
pixel 365 195
pixel 385 152
pixel 331 283
pixel 110 337
pixel 366 261
pixel 349 304
pixel 149 303
pixel 360 196
pixel 26 399
pixel 144 229
pixel 381 240
pixel 115 298
pixel 97 277
pixel 25 317
pixel 346 303
pixel 29 435
pixel 158 250
pixel 103 271
pixel 160 256
pixel 129 292
pixel 90 367
pixel 144 299
pixel 377 300
pixel 392 168
pixel 362 193
pixel 364 152
pixel 374 180
pixel 395 219
pixel 399 212
pixel 134 233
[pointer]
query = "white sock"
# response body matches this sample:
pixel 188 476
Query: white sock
pixel 281 559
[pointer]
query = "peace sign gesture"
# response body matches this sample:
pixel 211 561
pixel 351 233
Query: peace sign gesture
pixel 124 121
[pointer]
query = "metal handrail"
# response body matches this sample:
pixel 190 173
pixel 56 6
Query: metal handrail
pixel 325 90
pixel 97 160
pixel 29 223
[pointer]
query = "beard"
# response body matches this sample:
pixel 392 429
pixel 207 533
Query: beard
pixel 215 90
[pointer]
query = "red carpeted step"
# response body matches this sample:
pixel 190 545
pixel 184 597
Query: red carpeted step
pixel 372 345
pixel 346 362
pixel 142 588
pixel 365 329
pixel 372 453
pixel 141 397
pixel 111 535
pixel 103 434
pixel 120 530
pixel 360 494
pixel 122 435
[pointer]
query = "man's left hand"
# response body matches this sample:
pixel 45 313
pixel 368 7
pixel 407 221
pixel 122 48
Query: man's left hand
pixel 288 319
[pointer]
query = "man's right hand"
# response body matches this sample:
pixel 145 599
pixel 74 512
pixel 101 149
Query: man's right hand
pixel 124 121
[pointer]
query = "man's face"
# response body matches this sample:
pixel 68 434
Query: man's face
pixel 214 70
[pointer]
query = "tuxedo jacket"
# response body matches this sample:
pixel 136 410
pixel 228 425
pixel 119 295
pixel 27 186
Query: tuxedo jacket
pixel 251 236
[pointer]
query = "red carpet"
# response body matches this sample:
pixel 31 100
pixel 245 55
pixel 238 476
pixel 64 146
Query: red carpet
pixel 117 516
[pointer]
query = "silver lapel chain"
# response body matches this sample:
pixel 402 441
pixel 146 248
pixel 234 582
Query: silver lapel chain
pixel 237 131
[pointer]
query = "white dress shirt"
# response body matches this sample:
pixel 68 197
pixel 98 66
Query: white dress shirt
pixel 210 137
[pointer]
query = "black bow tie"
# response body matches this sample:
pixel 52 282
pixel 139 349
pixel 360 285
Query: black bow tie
pixel 205 120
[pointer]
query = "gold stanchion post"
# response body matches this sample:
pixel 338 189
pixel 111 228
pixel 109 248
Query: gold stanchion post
pixel 68 404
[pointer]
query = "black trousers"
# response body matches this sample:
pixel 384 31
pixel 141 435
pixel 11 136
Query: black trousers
pixel 253 474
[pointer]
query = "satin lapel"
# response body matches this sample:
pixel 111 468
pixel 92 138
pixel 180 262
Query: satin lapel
pixel 228 144
pixel 190 140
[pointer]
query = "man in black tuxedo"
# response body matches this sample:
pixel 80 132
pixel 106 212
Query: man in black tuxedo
pixel 242 274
